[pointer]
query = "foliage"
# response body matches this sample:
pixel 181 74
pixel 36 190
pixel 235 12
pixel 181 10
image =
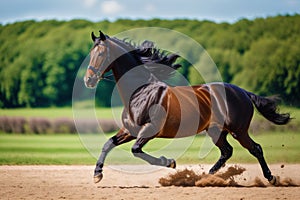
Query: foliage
pixel 61 120
pixel 40 125
pixel 68 149
pixel 39 60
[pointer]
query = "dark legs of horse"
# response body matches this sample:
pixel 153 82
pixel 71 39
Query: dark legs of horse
pixel 138 152
pixel 121 137
pixel 219 139
pixel 256 150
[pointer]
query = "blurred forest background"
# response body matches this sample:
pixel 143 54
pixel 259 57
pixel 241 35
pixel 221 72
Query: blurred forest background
pixel 39 60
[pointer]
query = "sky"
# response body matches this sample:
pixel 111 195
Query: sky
pixel 97 10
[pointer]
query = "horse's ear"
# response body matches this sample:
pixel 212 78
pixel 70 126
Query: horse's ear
pixel 93 37
pixel 102 36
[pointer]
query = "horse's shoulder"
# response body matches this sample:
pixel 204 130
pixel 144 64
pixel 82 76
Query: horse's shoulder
pixel 143 99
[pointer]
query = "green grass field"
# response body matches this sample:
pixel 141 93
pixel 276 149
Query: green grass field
pixel 69 149
pixel 101 113
pixel 279 147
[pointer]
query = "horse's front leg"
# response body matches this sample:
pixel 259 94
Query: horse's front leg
pixel 161 161
pixel 121 137
pixel 142 139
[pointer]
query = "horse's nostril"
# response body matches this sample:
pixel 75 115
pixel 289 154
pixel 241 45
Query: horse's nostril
pixel 90 81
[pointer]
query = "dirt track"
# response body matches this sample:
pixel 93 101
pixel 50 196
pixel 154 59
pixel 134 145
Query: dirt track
pixel 75 182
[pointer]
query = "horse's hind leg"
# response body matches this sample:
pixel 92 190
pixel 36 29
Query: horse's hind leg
pixel 121 137
pixel 256 150
pixel 219 139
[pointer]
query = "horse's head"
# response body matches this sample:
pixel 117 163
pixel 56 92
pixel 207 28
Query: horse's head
pixel 99 61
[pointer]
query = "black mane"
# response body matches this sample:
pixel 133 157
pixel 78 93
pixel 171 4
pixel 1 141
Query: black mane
pixel 154 59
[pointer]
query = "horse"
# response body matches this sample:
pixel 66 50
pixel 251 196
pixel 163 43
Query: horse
pixel 154 109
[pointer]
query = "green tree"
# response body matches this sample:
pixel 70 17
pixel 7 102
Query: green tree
pixel 39 60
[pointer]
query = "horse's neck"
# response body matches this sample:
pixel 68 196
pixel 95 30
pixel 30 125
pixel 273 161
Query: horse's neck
pixel 130 74
pixel 130 81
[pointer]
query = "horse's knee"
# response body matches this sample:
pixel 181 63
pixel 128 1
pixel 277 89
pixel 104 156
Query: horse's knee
pixel 136 149
pixel 108 145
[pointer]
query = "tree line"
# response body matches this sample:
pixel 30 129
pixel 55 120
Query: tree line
pixel 39 60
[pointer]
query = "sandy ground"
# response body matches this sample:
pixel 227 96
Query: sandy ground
pixel 76 182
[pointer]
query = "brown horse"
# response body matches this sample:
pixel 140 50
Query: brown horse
pixel 153 109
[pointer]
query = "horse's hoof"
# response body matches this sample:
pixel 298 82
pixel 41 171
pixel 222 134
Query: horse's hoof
pixel 274 180
pixel 172 164
pixel 98 178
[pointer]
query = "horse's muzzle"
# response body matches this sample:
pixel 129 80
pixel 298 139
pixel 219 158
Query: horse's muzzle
pixel 91 81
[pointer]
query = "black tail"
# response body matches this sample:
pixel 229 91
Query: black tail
pixel 267 106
